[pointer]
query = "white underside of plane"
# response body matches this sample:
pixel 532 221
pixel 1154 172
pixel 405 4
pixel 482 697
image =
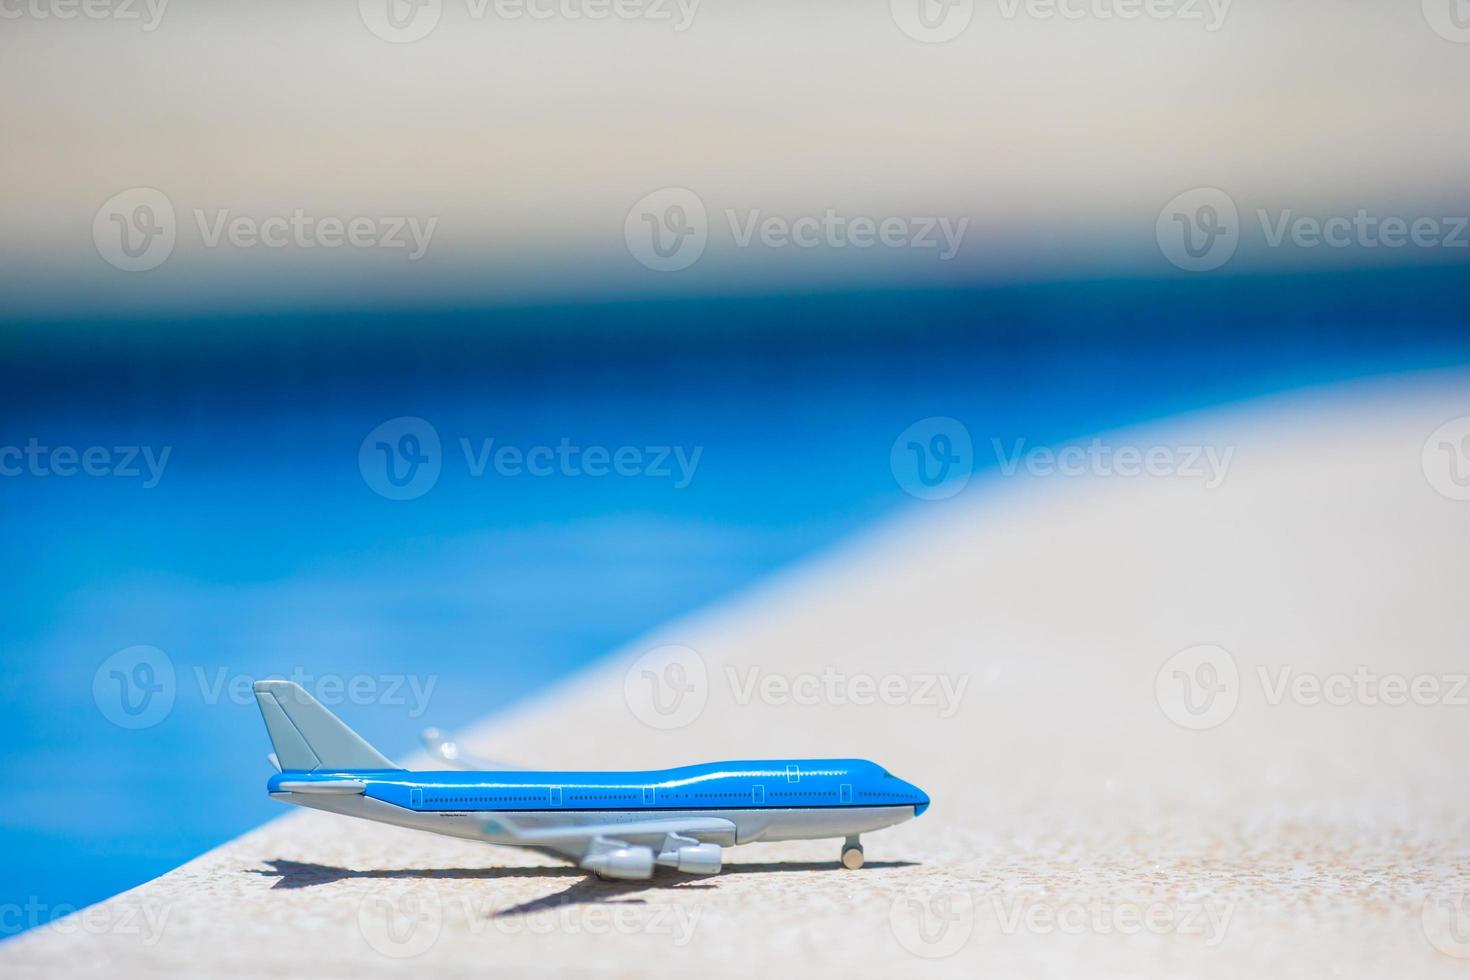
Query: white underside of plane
pixel 623 844
pixel 612 843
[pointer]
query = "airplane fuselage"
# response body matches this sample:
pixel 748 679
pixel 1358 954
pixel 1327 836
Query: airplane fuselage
pixel 763 800
pixel 615 824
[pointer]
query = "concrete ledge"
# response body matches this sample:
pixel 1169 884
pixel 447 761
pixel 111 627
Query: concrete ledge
pixel 1078 828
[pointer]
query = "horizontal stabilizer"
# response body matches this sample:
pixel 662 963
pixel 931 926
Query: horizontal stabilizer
pixel 322 787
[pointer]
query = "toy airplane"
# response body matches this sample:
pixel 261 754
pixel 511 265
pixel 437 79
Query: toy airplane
pixel 615 824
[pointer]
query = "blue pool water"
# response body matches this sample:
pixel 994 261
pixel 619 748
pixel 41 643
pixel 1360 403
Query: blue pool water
pixel 264 550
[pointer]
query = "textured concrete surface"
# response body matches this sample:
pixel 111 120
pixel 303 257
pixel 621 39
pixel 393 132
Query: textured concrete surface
pixel 1086 821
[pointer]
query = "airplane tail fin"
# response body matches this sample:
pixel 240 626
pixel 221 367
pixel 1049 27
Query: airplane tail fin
pixel 307 736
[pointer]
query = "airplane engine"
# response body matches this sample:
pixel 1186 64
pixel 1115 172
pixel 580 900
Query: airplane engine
pixel 700 859
pixel 689 856
pixel 633 863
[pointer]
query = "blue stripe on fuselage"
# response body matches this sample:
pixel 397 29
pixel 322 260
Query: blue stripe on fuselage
pixel 780 784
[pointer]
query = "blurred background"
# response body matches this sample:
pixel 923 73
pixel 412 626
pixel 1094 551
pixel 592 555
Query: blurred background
pixel 442 347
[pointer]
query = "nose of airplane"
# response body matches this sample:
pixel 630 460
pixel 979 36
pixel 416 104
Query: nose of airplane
pixel 920 798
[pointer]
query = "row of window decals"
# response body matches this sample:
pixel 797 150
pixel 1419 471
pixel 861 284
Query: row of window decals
pixel 555 796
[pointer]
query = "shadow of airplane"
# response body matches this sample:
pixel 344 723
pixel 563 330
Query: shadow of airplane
pixel 587 889
pixel 302 874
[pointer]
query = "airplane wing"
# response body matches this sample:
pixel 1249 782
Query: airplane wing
pixel 629 849
pixel 633 832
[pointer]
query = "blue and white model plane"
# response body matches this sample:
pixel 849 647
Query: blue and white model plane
pixel 615 824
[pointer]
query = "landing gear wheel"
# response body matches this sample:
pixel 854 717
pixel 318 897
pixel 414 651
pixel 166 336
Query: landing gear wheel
pixel 852 854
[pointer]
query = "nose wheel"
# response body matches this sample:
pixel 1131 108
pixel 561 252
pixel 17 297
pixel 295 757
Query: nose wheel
pixel 852 854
